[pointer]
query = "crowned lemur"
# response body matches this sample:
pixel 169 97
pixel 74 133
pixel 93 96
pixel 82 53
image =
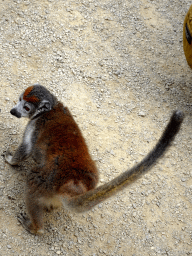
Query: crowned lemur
pixel 65 172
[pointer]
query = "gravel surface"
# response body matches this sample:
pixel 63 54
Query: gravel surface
pixel 119 66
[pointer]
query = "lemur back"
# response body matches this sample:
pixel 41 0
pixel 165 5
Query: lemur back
pixel 63 153
pixel 66 172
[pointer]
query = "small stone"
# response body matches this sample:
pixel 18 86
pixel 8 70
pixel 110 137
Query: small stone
pixel 142 113
pixel 1 191
pixel 117 72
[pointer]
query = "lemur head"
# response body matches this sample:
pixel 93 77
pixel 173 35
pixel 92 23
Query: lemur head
pixel 34 101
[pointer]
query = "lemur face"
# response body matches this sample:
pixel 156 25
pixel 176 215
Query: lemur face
pixel 23 108
pixel 34 101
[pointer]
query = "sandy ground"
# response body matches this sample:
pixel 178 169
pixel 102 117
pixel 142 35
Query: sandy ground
pixel 119 66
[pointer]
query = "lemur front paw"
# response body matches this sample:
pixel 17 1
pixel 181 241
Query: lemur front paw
pixel 9 158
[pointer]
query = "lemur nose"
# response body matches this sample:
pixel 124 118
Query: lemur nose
pixel 14 112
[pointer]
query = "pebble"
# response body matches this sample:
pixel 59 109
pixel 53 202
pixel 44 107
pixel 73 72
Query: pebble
pixel 142 113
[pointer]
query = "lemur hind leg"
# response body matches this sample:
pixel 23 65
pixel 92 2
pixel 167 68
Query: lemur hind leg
pixel 34 223
pixel 37 189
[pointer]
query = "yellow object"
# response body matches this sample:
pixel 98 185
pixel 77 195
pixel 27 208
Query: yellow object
pixel 187 37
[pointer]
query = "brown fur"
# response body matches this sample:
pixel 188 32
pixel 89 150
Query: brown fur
pixel 65 153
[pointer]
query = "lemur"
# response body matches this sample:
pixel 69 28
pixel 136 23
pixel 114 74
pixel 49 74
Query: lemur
pixel 65 172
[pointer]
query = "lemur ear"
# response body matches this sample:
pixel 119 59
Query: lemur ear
pixel 44 106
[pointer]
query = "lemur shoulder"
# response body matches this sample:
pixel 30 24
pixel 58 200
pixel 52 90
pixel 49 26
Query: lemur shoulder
pixel 65 172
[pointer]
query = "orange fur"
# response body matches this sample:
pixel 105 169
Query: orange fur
pixel 30 98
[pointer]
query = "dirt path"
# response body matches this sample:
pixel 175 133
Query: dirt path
pixel 119 66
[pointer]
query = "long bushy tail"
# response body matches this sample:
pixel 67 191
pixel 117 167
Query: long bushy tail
pixel 93 197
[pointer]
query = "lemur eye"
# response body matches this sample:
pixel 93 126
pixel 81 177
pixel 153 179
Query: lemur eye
pixel 26 108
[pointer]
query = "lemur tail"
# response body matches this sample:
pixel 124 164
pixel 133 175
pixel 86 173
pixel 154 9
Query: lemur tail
pixel 93 197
